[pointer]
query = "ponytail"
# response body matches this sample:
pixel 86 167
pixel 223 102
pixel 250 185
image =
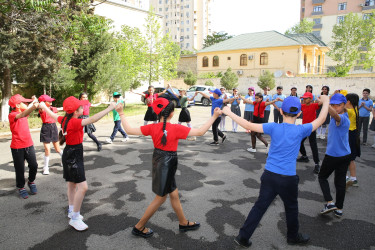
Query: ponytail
pixel 165 114
pixel 62 132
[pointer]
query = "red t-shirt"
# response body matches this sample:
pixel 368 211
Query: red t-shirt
pixel 86 109
pixel 175 132
pixel 259 108
pixel 45 117
pixel 21 137
pixel 74 131
pixel 150 99
pixel 309 112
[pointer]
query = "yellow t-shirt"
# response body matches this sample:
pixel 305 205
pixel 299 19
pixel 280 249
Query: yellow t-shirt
pixel 352 118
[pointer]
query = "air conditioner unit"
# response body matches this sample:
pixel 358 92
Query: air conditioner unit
pixel 251 57
pixel 239 72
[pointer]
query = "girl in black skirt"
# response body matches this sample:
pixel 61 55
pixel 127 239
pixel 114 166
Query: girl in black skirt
pixel 165 137
pixel 235 108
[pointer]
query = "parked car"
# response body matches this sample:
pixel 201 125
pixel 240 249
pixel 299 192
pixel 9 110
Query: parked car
pixel 199 98
pixel 167 95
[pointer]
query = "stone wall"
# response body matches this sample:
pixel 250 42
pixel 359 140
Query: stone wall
pixel 187 63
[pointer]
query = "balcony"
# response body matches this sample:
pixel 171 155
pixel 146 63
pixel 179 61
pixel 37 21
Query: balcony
pixel 318 26
pixel 317 1
pixel 364 7
pixel 318 13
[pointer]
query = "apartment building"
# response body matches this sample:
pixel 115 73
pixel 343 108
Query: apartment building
pixel 187 21
pixel 326 13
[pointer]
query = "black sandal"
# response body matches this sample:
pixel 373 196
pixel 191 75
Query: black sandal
pixel 188 227
pixel 140 233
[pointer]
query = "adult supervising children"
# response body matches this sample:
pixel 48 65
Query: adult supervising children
pixel 279 177
pixel 277 116
pixel 365 108
pixel 217 102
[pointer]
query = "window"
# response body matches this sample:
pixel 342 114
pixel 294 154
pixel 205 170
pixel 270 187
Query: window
pixel 187 45
pixel 340 19
pixel 187 6
pixel 205 61
pixel 316 33
pixel 318 8
pixel 187 37
pixel 166 9
pixel 264 59
pixel 182 22
pixel 187 21
pixel 160 9
pixel 370 3
pixel 367 16
pixel 215 61
pixel 187 14
pixel 317 20
pixel 201 88
pixel 160 1
pixel 182 30
pixel 342 6
pixel 187 29
pixel 192 89
pixel 228 58
pixel 243 60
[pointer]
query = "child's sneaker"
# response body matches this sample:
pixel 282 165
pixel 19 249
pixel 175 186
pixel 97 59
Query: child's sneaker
pixel 373 145
pixel 78 224
pixel 71 214
pixel 224 138
pixel 323 137
pixel 45 171
pixel 214 143
pixel 23 193
pixel 125 139
pixel 251 150
pixel 338 213
pixel 108 140
pixel 350 182
pixel 303 158
pixel 32 187
pixel 328 208
pixel 316 168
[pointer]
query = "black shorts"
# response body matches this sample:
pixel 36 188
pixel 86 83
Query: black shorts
pixel 184 115
pixel 72 160
pixel 49 133
pixel 150 115
pixel 164 166
pixel 355 148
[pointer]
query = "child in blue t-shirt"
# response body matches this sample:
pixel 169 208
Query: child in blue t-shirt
pixel 337 158
pixel 217 102
pixel 279 177
pixel 277 116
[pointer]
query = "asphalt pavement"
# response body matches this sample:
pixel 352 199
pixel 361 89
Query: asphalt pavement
pixel 218 186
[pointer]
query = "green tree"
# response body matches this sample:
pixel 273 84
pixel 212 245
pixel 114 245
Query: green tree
pixel 229 79
pixel 163 53
pixel 209 83
pixel 346 39
pixel 266 80
pixel 215 38
pixel 190 78
pixel 304 26
pixel 368 40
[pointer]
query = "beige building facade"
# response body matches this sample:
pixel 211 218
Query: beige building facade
pixel 187 21
pixel 250 55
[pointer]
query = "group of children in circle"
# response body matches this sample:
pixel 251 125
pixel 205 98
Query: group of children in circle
pixel 279 177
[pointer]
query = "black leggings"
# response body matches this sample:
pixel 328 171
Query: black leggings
pixel 19 157
pixel 216 131
pixel 255 135
pixel 92 136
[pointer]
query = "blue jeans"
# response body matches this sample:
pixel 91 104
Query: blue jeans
pixel 118 128
pixel 273 184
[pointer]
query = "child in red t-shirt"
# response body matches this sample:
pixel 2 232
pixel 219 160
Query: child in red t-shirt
pixel 258 117
pixel 309 109
pixel 48 132
pixel 165 137
pixel 73 168
pixel 22 145
pixel 149 99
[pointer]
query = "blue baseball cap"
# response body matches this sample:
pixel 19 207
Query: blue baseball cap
pixel 337 99
pixel 216 91
pixel 289 103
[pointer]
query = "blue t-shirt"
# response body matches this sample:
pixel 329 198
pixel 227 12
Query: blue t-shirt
pixel 278 103
pixel 235 100
pixel 248 106
pixel 285 143
pixel 362 111
pixel 216 103
pixel 338 137
pixel 267 98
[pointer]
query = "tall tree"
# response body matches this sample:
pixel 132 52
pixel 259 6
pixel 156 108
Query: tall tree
pixel 266 80
pixel 368 40
pixel 229 79
pixel 304 26
pixel 215 38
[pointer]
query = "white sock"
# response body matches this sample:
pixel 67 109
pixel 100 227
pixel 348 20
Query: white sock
pixel 236 126
pixel 233 124
pixel 189 125
pixel 145 123
pixel 331 203
pixel 353 178
pixel 70 209
pixel 319 131
pixel 46 161
pixel 75 215
pixel 61 153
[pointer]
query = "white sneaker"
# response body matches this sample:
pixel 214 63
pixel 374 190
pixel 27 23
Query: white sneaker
pixel 251 150
pixel 373 145
pixel 78 224
pixel 45 171
pixel 71 214
pixel 108 140
pixel 125 139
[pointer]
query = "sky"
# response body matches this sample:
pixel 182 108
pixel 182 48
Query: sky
pixel 246 16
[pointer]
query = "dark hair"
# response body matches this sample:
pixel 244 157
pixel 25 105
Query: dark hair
pixel 308 85
pixel 292 109
pixel 62 132
pixel 80 95
pixel 354 100
pixel 325 86
pixel 259 95
pixel 165 113
pixel 279 87
pixel 367 90
pixel 149 87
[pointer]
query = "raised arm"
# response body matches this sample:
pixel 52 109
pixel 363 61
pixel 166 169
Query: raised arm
pixel 202 130
pixel 242 122
pixel 99 115
pixel 163 92
pixel 173 91
pixel 246 100
pixel 323 113
pixel 28 111
pixel 95 105
pixel 192 98
pixel 229 100
pixel 332 112
pixel 203 94
pixel 129 130
pixel 271 102
pixel 49 112
pixel 142 94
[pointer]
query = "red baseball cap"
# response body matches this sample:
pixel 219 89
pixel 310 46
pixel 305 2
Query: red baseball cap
pixel 17 99
pixel 71 104
pixel 308 95
pixel 45 98
pixel 159 104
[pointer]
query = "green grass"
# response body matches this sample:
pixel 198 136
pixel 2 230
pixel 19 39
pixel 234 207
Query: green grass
pixel 36 122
